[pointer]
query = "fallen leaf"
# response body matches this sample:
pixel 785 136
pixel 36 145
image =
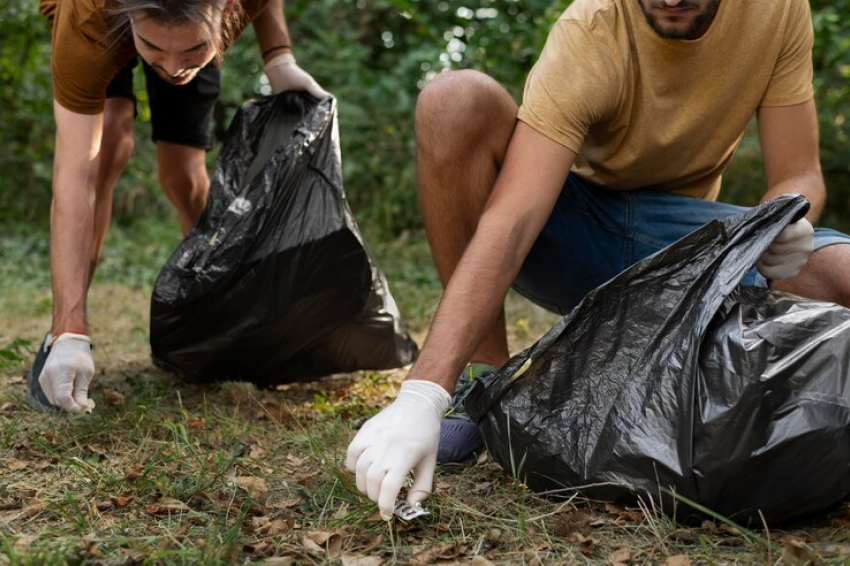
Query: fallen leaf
pixel 121 501
pixel 573 523
pixel 323 542
pixel 442 551
pixel 112 398
pixel 254 486
pixel 677 560
pixel 16 465
pixel 619 557
pixel 131 473
pixel 197 422
pixel 357 560
pixel 257 453
pixel 167 506
pixel 295 460
pixel 373 544
pixel 480 561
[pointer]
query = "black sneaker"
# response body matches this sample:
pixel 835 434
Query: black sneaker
pixel 36 398
pixel 460 440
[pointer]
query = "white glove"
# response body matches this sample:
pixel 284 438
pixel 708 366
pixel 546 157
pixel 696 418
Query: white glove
pixel 284 74
pixel 402 437
pixel 68 372
pixel 789 252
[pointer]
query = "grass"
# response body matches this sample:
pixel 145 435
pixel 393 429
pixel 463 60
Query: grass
pixel 166 472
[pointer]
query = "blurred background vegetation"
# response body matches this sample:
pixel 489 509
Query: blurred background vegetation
pixel 375 56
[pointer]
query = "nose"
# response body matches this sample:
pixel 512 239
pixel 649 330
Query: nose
pixel 173 66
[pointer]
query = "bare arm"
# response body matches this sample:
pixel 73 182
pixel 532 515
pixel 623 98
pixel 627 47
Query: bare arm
pixel 528 185
pixel 78 139
pixel 271 30
pixel 789 145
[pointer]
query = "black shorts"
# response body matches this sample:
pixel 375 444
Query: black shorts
pixel 179 114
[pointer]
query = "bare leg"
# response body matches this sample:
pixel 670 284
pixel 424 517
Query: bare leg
pixel 464 121
pixel 825 277
pixel 116 149
pixel 184 180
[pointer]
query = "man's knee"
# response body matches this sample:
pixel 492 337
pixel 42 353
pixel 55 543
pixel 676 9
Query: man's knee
pixel 459 106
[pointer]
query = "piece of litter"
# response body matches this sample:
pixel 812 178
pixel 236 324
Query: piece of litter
pixel 409 511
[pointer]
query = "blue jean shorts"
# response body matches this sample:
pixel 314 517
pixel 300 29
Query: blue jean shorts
pixel 595 233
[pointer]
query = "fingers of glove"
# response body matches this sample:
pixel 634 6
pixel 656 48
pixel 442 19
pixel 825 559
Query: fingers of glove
pixel 786 270
pixel 389 488
pixel 800 230
pixel 423 479
pixel 59 391
pixel 362 440
pixel 374 479
pixel 317 92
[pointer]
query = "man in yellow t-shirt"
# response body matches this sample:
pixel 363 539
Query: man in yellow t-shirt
pixel 96 44
pixel 628 119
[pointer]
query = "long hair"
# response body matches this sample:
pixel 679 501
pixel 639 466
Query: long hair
pixel 220 18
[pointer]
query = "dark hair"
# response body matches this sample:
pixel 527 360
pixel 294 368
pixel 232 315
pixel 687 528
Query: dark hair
pixel 221 18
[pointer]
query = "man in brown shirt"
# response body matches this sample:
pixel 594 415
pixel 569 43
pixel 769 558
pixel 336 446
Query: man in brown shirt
pixel 96 45
pixel 628 119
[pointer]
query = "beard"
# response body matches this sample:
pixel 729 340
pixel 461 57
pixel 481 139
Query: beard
pixel 697 27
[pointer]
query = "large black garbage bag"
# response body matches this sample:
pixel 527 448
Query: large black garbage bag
pixel 671 378
pixel 274 282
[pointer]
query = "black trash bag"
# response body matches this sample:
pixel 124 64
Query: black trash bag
pixel 274 282
pixel 672 379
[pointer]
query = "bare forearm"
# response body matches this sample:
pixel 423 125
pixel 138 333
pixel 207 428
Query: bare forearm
pixel 809 185
pixel 470 305
pixel 272 32
pixel 72 216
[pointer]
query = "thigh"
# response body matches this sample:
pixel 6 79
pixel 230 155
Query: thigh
pixel 182 114
pixel 583 244
pixel 595 233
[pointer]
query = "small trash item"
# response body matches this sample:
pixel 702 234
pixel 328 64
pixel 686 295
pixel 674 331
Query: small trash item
pixel 409 511
pixel 673 379
pixel 274 283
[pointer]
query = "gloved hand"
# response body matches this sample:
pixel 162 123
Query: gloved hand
pixel 789 252
pixel 402 437
pixel 68 372
pixel 285 75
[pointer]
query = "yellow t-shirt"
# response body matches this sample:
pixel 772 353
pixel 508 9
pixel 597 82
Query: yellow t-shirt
pixel 645 112
pixel 85 60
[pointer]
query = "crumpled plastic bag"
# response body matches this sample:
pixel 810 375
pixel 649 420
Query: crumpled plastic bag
pixel 671 378
pixel 274 283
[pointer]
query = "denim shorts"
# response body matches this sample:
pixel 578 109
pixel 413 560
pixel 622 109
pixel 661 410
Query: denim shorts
pixel 594 233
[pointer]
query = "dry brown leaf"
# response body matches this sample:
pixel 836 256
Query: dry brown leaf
pixel 121 501
pixel 677 560
pixel 620 556
pixel 257 453
pixel 196 422
pixel 359 560
pixel 373 544
pixel 16 465
pixel 573 523
pixel 325 542
pixel 442 551
pixel 295 460
pixel 167 506
pixel 480 561
pixel 42 465
pixel 131 473
pixel 112 398
pixel 254 486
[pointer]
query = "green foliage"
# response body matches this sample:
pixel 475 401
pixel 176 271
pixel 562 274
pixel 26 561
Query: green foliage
pixel 375 57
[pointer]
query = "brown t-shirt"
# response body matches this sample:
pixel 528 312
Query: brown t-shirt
pixel 83 62
pixel 645 112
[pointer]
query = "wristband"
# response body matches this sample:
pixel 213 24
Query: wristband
pixel 275 48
